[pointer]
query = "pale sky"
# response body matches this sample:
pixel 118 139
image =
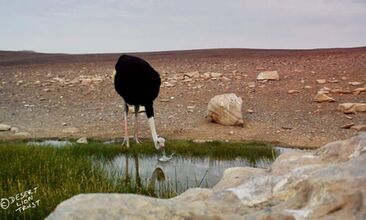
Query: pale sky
pixel 92 26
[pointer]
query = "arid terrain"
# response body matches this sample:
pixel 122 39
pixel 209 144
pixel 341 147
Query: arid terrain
pixel 60 95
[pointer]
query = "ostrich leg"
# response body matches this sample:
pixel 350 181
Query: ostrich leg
pixel 153 132
pixel 137 108
pixel 125 114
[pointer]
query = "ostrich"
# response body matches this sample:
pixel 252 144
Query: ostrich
pixel 138 84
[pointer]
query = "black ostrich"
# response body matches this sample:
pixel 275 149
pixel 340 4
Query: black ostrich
pixel 138 84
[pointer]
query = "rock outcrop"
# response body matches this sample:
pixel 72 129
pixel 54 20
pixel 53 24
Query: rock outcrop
pixel 328 183
pixel 225 109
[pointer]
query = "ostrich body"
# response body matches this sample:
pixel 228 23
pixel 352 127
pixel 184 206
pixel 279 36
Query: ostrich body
pixel 138 84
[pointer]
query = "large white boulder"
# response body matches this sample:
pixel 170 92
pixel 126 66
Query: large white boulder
pixel 225 109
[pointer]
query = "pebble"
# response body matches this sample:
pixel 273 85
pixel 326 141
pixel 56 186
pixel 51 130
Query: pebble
pixel 321 81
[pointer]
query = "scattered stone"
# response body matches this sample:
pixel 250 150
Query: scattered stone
pixel 321 97
pixel 344 78
pixel 356 83
pixel 359 90
pixel 321 81
pixel 333 81
pixel 347 126
pixel 192 74
pixel 225 109
pixel 168 84
pixel 64 124
pixel 231 132
pixel 82 140
pixel 348 108
pixel 71 130
pixel 4 127
pixel 361 127
pixel 268 75
pixel 307 87
pixel 250 111
pixel 164 100
pixel 293 91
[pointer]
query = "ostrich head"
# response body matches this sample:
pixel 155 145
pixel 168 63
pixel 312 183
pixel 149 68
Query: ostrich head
pixel 160 143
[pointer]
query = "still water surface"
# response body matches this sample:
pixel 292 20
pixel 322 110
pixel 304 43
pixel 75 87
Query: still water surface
pixel 178 174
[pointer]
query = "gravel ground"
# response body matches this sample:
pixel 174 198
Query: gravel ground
pixel 60 95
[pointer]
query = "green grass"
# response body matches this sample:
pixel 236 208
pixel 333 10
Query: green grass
pixel 60 173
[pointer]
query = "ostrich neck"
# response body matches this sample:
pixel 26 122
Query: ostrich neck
pixel 153 130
